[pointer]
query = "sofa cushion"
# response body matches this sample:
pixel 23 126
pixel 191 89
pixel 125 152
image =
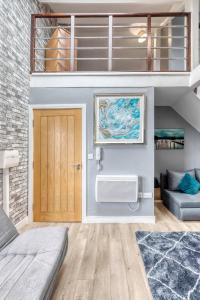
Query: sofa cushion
pixel 189 185
pixel 29 264
pixel 183 200
pixel 197 174
pixel 8 231
pixel 175 177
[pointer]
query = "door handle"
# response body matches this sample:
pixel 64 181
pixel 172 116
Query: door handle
pixel 77 166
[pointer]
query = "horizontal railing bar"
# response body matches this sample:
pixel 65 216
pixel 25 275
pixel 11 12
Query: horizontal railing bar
pixel 76 58
pixel 130 58
pixel 106 26
pixel 178 48
pixel 91 37
pixel 126 37
pixel 104 48
pixel 176 58
pixel 127 71
pixel 128 47
pixel 52 38
pixel 106 37
pixel 59 48
pixel 128 26
pixel 93 58
pixel 115 58
pixel 93 15
pixel 44 58
pixel 170 26
pixel 91 26
pixel 152 37
pixel 48 27
pixel 68 38
pixel 92 48
pixel 78 48
pixel 169 37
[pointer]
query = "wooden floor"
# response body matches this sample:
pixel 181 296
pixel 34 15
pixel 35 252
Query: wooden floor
pixel 103 261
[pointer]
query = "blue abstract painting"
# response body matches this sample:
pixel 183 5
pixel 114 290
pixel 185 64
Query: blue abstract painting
pixel 119 119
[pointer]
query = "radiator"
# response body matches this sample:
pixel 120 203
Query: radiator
pixel 116 188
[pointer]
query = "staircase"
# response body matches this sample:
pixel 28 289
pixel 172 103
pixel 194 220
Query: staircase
pixel 188 106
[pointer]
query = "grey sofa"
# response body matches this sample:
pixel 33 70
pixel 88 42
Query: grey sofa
pixel 30 262
pixel 183 206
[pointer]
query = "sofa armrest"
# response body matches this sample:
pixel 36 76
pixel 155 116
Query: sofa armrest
pixel 163 183
pixel 8 231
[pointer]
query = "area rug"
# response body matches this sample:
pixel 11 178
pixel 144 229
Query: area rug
pixel 172 264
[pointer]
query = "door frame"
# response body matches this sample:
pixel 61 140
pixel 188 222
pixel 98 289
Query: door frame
pixel 31 147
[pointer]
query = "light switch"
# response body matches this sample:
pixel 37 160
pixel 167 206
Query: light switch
pixel 90 156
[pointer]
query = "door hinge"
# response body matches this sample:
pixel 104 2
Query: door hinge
pixel 33 164
pixel 33 123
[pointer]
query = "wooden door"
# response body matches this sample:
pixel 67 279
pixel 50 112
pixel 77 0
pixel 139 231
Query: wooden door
pixel 57 165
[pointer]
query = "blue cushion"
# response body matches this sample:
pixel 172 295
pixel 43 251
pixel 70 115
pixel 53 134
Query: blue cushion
pixel 189 185
pixel 174 178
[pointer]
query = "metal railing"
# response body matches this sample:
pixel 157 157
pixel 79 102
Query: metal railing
pixel 111 42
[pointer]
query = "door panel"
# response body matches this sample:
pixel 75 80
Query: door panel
pixel 57 155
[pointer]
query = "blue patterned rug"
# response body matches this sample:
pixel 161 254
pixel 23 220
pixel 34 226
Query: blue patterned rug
pixel 172 264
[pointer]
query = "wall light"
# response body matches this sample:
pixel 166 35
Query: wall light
pixel 142 36
pixel 139 31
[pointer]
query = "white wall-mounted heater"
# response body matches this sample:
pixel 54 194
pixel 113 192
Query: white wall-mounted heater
pixel 8 159
pixel 116 188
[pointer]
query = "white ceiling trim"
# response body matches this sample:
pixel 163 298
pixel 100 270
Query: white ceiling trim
pixel 107 1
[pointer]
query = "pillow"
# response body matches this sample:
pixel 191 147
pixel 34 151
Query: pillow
pixel 189 185
pixel 197 173
pixel 174 178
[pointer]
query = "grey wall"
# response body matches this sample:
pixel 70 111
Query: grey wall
pixel 166 117
pixel 15 17
pixel 117 159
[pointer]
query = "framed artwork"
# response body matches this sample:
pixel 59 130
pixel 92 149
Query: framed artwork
pixel 119 119
pixel 169 139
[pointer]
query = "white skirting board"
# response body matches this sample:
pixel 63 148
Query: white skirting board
pixel 104 219
pixel 118 219
pixel 22 223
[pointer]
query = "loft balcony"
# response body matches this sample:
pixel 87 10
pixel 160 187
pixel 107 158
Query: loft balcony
pixel 99 43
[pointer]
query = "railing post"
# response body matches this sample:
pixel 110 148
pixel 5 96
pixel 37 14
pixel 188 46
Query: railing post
pixel 32 48
pixel 110 34
pixel 72 43
pixel 149 45
pixel 188 42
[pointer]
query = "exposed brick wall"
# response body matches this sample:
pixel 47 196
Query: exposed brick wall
pixel 15 19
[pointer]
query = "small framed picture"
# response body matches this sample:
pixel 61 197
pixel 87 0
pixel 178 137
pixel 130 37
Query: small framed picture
pixel 169 139
pixel 119 119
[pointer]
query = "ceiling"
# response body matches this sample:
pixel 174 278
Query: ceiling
pixel 114 6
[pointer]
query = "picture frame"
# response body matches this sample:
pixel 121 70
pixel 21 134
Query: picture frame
pixel 119 118
pixel 169 138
